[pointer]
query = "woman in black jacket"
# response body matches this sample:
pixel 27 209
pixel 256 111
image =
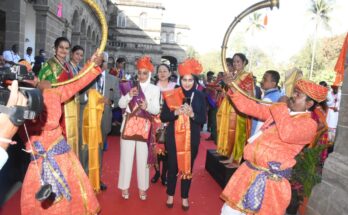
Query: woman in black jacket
pixel 183 132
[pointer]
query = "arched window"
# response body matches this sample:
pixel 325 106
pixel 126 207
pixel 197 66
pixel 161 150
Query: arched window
pixel 171 37
pixel 121 20
pixel 179 37
pixel 143 20
pixel 163 37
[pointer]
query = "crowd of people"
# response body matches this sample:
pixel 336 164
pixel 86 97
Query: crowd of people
pixel 67 140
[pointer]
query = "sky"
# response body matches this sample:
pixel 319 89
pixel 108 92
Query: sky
pixel 287 31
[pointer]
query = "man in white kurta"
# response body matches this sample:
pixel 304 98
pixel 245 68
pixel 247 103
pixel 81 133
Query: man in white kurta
pixel 333 102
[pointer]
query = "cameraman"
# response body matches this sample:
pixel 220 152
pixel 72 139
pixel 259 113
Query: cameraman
pixel 8 130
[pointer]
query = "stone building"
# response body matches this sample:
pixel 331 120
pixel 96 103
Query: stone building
pixel 136 29
pixel 36 23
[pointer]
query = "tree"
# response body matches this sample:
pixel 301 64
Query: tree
pixel 255 24
pixel 211 61
pixel 320 10
pixel 324 61
pixel 191 52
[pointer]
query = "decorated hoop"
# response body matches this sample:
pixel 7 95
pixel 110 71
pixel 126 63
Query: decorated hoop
pixel 252 8
pixel 101 17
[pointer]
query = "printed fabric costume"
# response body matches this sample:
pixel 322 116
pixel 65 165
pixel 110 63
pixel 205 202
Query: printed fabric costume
pixel 233 127
pixel 54 72
pixel 260 185
pixel 92 135
pixel 55 161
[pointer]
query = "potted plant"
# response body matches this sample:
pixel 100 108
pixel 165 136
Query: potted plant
pixel 305 175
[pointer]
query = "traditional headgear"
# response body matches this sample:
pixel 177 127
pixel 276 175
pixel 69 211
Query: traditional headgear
pixel 315 91
pixel 190 66
pixel 145 63
pixel 26 64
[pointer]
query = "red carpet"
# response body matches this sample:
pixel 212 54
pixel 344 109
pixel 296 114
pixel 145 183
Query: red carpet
pixel 204 193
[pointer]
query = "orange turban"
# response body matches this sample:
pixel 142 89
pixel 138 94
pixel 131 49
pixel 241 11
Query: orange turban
pixel 315 91
pixel 145 63
pixel 190 66
pixel 26 64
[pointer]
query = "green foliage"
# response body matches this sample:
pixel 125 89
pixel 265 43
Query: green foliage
pixel 191 52
pixel 325 59
pixel 305 171
pixel 255 23
pixel 320 11
pixel 328 50
pixel 211 61
pixel 259 63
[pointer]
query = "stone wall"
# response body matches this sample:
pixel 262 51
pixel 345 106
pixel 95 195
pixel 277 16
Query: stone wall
pixel 130 38
pixel 331 195
pixel 78 23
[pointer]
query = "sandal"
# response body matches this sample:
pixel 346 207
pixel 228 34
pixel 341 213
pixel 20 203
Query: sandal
pixel 142 195
pixel 125 194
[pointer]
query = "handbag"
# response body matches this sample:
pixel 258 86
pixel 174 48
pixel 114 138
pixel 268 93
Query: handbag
pixel 161 135
pixel 136 127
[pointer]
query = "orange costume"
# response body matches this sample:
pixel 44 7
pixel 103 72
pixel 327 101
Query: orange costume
pixel 46 131
pixel 260 185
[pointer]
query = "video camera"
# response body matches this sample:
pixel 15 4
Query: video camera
pixel 19 114
pixel 15 72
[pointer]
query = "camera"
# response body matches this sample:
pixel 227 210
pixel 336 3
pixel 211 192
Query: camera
pixel 15 72
pixel 18 114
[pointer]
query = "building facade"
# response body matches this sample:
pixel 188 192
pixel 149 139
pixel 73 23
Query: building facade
pixel 37 23
pixel 136 29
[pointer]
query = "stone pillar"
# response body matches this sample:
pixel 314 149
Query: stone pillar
pixel 93 48
pixel 88 49
pixel 331 195
pixel 15 19
pixel 75 38
pixel 41 38
pixel 68 31
pixel 83 43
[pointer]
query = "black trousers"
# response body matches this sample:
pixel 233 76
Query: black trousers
pixel 212 118
pixel 173 171
pixel 162 158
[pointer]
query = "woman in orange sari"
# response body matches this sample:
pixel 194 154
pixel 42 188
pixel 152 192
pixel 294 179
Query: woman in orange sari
pixel 184 110
pixel 53 162
pixel 234 127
